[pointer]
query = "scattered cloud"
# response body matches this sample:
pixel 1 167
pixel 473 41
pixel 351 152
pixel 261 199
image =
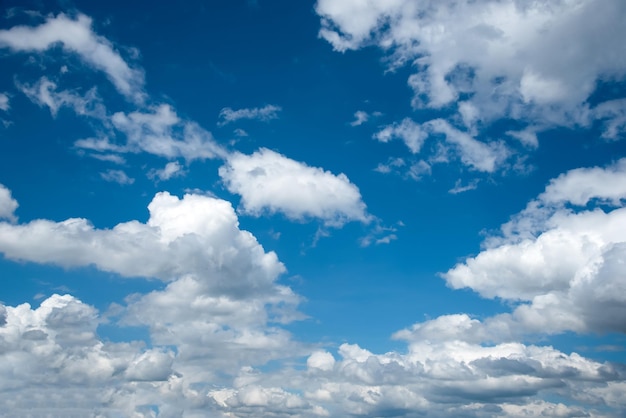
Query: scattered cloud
pixel 408 131
pixel 158 131
pixel 112 158
pixel 195 235
pixel 240 133
pixel 392 165
pixel 117 176
pixel 171 170
pixel 360 117
pixel 266 113
pixel 76 35
pixel 270 182
pixel 4 102
pixel 460 188
pixel 44 93
pixel 538 61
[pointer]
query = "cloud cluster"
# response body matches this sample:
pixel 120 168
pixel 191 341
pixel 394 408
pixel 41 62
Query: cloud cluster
pixel 477 155
pixel 496 58
pixel 537 64
pixel 270 182
pixel 221 310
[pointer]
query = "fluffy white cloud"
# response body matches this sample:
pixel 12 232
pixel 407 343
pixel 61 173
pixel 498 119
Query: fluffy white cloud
pixel 220 310
pixel 265 113
pixel 7 204
pixel 270 182
pixel 582 185
pixel 77 36
pixel 196 235
pixel 536 60
pixel 565 266
pixel 55 363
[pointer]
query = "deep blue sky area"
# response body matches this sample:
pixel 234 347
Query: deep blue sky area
pixel 313 208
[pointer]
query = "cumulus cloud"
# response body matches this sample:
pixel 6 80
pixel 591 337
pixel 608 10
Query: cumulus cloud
pixel 222 302
pixel 76 35
pixel 195 235
pixel 55 363
pixel 561 259
pixel 536 61
pixel 270 182
pixel 7 204
pixel 265 113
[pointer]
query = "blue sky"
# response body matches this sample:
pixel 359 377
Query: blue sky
pixel 300 209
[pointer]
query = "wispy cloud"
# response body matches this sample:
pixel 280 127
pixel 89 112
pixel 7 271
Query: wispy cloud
pixel 266 113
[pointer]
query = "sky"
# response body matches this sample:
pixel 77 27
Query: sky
pixel 331 208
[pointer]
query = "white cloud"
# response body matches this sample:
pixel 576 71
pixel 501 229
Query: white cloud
pixel 55 363
pixel 613 113
pixel 171 169
pixel 76 35
pixel 219 313
pixel 158 131
pixel 393 164
pixel 240 133
pixel 4 102
pixel 265 113
pixel 480 156
pixel 536 61
pixel 117 176
pixel 44 93
pixel 410 132
pixel 582 185
pixel 564 266
pixel 360 117
pixel 270 182
pixel 460 188
pixel 112 158
pixel 8 205
pixel 196 235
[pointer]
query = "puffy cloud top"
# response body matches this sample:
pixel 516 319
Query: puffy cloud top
pixel 268 181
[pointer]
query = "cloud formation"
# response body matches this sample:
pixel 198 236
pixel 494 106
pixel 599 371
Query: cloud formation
pixel 538 62
pixel 265 113
pixel 76 35
pixel 196 235
pixel 270 182
pixel 7 204
pixel 559 258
